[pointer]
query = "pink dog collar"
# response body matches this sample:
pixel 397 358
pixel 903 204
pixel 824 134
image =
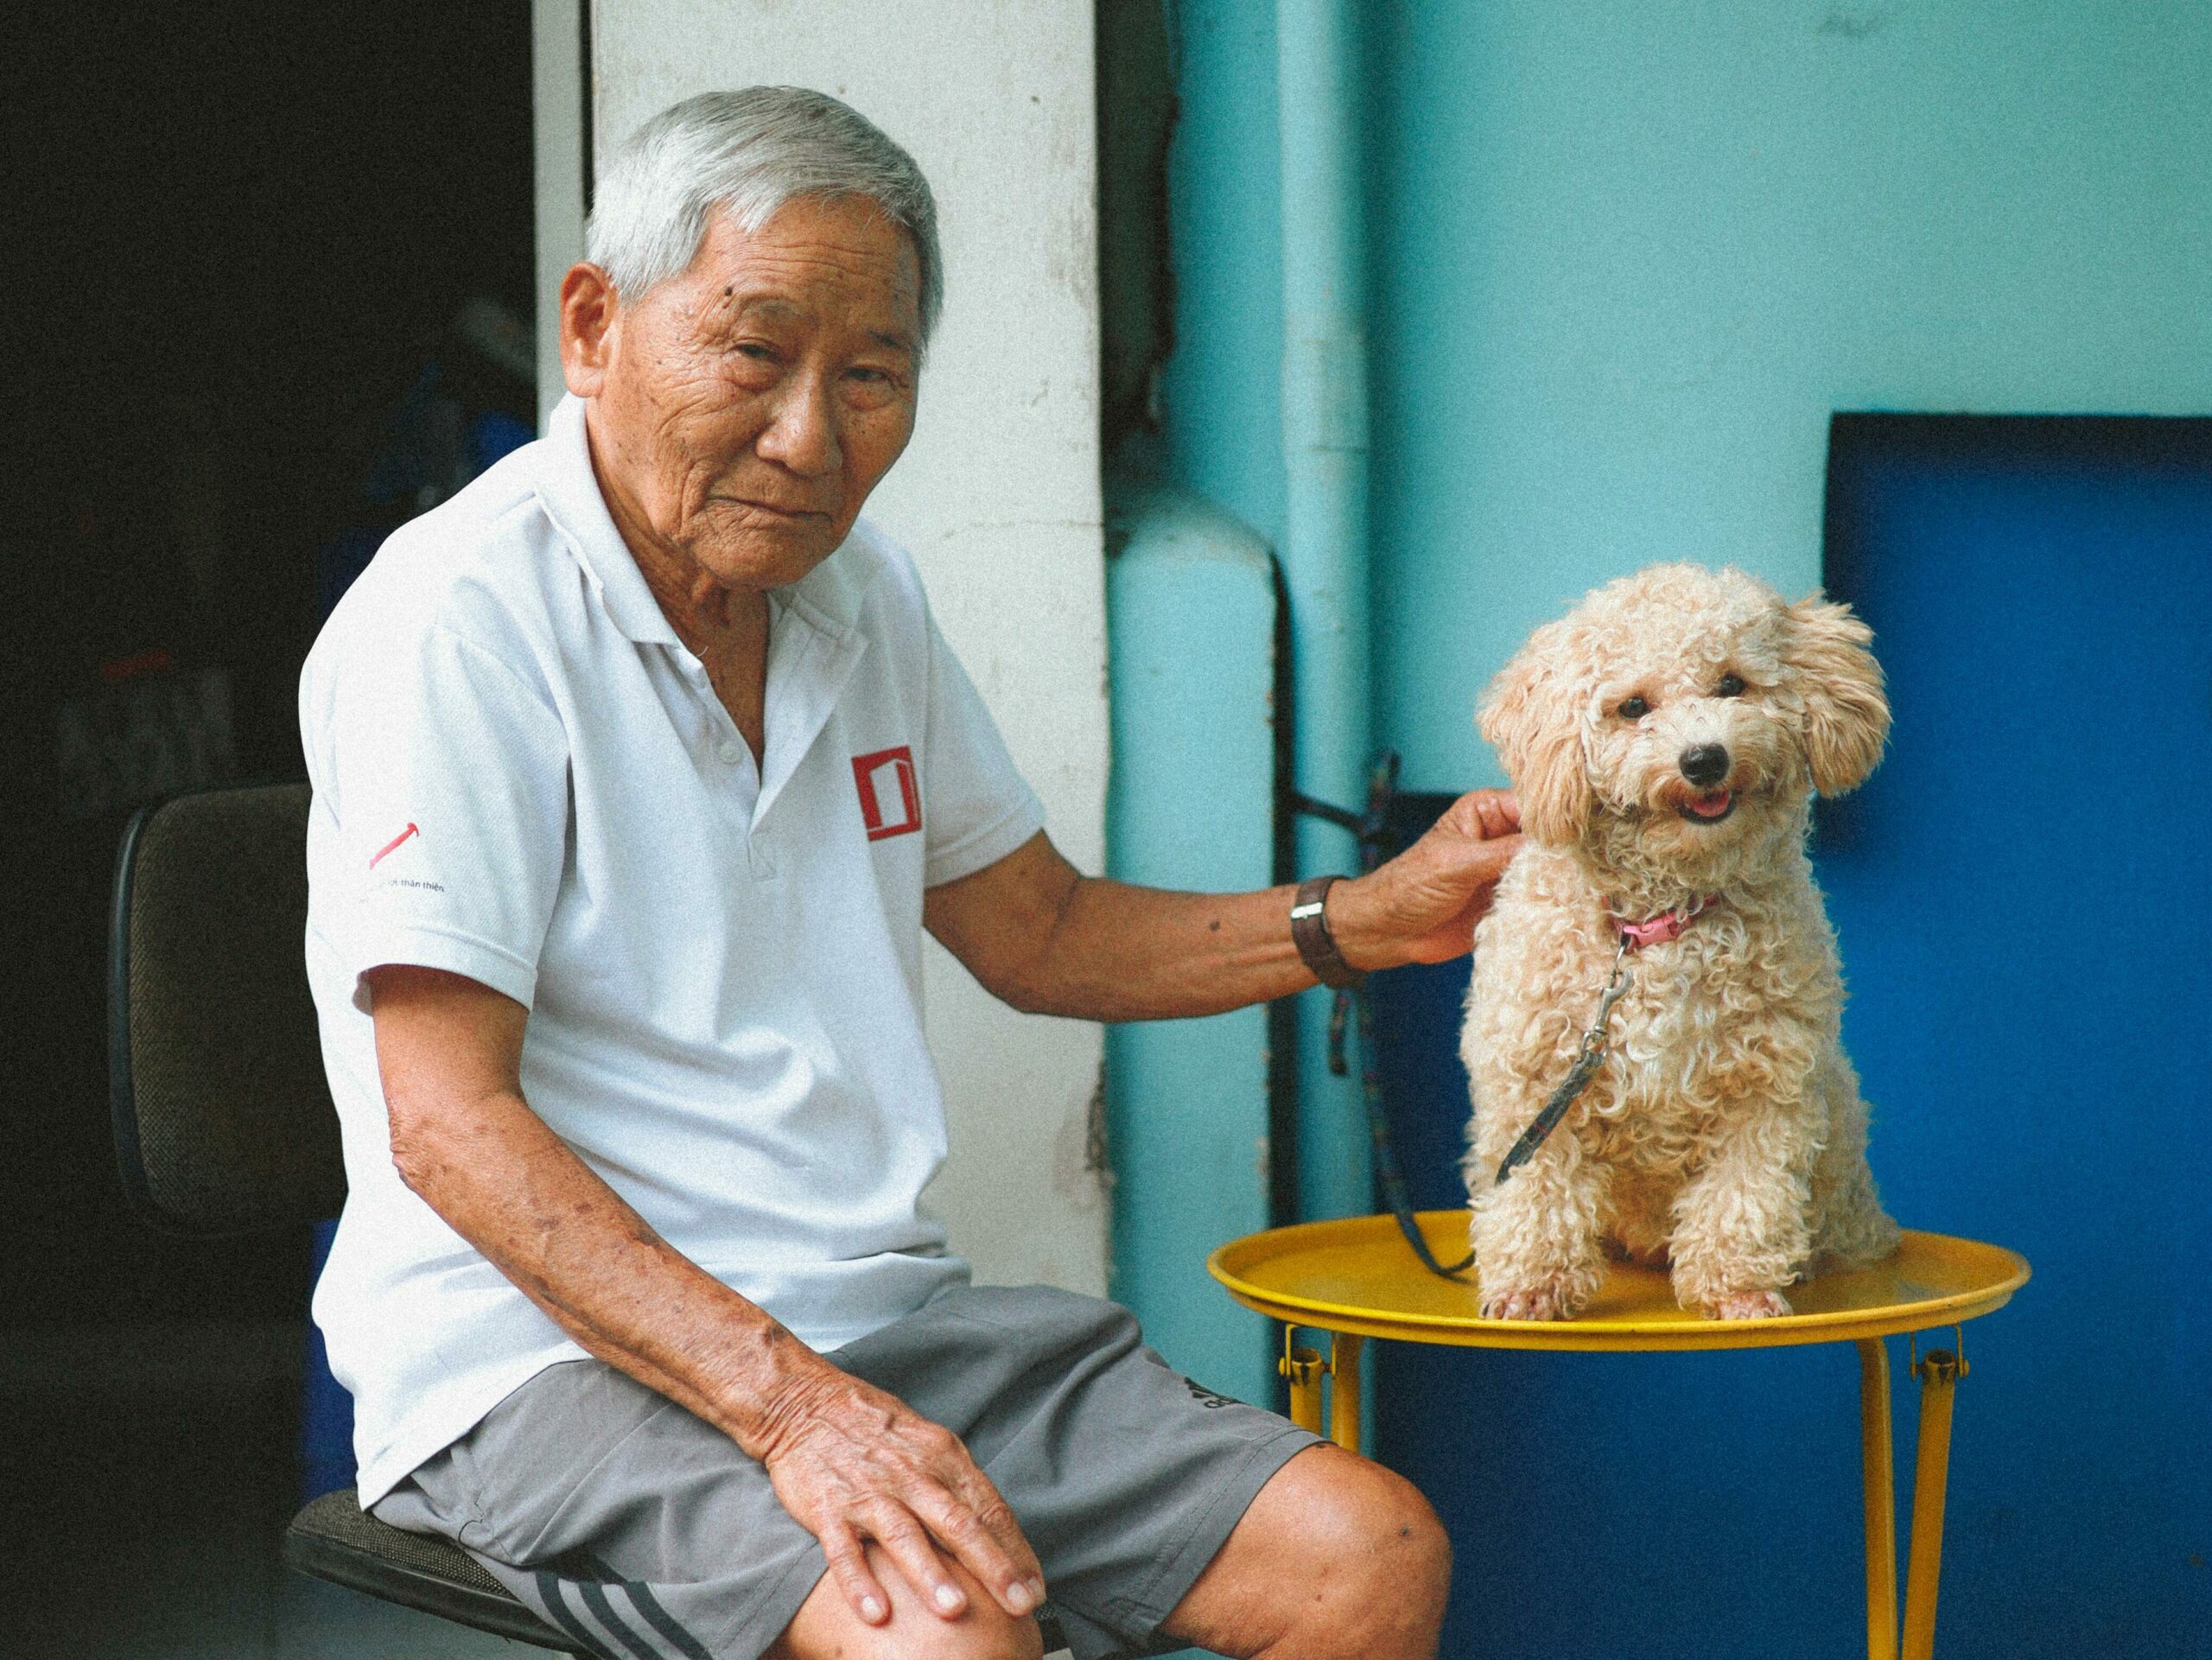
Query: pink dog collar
pixel 1668 925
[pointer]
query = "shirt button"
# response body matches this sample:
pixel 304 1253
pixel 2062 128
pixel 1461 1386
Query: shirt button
pixel 729 752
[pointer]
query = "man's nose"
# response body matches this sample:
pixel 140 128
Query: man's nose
pixel 1704 764
pixel 802 437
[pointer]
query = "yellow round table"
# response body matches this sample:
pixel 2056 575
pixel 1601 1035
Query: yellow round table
pixel 1357 1279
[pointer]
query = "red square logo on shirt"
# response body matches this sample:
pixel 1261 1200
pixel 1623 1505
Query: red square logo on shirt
pixel 890 803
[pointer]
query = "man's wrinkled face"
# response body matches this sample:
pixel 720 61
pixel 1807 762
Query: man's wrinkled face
pixel 742 411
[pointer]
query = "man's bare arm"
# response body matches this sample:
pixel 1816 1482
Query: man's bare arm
pixel 1051 941
pixel 848 1461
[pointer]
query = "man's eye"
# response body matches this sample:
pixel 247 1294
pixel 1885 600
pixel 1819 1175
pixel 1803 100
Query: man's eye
pixel 755 350
pixel 1731 685
pixel 1635 708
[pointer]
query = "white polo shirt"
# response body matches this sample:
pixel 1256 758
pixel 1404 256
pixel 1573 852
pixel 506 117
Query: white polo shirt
pixel 521 775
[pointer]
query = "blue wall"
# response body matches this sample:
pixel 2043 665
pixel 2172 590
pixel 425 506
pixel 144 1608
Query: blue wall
pixel 1627 257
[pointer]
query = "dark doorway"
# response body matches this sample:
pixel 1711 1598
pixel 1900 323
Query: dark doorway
pixel 239 233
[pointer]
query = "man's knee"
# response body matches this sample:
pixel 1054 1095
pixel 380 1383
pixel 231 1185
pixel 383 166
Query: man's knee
pixel 1392 1554
pixel 986 1633
pixel 927 1638
pixel 1002 1636
pixel 826 1625
pixel 1337 1556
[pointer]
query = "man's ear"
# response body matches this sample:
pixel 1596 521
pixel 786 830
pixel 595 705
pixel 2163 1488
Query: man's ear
pixel 1528 714
pixel 589 309
pixel 1846 719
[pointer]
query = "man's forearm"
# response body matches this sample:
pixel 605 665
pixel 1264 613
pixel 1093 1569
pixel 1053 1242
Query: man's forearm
pixel 1118 952
pixel 508 1186
pixel 1051 941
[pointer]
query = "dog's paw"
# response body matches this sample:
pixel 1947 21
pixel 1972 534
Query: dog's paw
pixel 1749 1304
pixel 1530 1303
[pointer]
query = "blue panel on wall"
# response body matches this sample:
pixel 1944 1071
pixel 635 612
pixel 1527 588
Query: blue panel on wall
pixel 2020 895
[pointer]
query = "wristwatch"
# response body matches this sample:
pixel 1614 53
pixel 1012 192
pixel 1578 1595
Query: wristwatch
pixel 1309 931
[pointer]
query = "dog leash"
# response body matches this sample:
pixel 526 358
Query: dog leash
pixel 1632 937
pixel 1587 1060
pixel 1370 829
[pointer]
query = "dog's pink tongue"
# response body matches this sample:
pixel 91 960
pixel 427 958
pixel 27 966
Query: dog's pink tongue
pixel 1712 805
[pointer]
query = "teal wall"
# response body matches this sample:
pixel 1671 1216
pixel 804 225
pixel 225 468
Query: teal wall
pixel 1626 258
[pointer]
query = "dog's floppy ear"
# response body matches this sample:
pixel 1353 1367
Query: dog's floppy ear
pixel 1528 714
pixel 1847 715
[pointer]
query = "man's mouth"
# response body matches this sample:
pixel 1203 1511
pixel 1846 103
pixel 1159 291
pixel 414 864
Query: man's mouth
pixel 1710 808
pixel 774 509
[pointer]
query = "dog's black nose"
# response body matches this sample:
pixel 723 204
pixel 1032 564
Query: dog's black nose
pixel 1704 765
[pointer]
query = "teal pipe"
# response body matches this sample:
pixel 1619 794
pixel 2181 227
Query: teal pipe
pixel 1190 804
pixel 1324 543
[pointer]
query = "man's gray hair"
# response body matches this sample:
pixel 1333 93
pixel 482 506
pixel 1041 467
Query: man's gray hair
pixel 747 153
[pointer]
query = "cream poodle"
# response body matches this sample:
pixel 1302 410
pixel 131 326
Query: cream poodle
pixel 1666 739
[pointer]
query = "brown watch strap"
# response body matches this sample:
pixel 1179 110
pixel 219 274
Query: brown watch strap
pixel 1309 931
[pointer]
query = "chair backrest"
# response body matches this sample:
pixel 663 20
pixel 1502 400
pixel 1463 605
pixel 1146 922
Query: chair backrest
pixel 223 1119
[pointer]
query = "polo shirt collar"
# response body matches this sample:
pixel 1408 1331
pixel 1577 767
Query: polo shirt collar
pixel 570 494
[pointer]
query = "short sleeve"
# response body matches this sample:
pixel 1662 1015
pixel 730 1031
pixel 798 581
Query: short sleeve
pixel 449 778
pixel 975 807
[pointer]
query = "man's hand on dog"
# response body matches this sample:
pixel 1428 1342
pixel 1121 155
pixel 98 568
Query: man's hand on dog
pixel 1422 906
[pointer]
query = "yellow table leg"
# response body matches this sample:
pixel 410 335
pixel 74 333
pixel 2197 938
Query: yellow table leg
pixel 1939 1375
pixel 1343 1390
pixel 1303 1367
pixel 1880 1476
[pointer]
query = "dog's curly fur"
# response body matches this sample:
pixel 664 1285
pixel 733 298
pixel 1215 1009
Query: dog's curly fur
pixel 1724 1135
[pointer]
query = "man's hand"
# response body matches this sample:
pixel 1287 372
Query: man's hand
pixel 1422 906
pixel 851 1463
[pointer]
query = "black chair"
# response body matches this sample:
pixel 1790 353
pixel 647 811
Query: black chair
pixel 222 1121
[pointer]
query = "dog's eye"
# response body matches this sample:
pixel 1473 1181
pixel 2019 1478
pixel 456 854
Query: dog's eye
pixel 1731 685
pixel 1635 708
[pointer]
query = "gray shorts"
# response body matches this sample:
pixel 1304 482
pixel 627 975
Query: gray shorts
pixel 645 1534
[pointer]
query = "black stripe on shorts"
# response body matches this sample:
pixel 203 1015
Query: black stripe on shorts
pixel 654 1611
pixel 557 1610
pixel 594 1596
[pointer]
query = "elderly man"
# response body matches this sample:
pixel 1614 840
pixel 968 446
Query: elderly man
pixel 639 767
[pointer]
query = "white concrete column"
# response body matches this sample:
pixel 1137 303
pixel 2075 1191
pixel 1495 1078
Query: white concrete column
pixel 557 137
pixel 998 497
